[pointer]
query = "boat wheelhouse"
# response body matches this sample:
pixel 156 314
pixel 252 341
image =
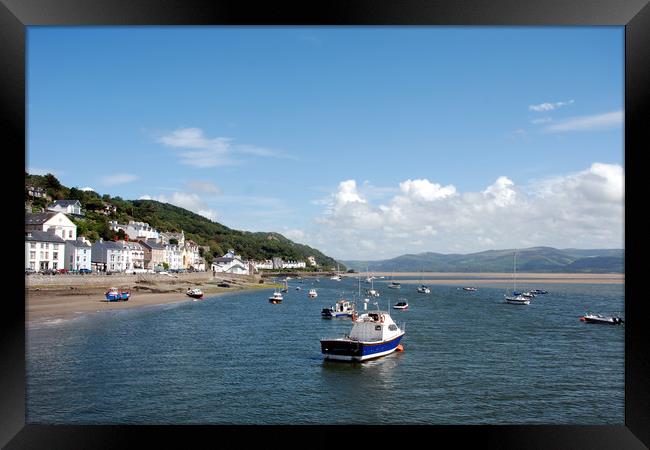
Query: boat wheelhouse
pixel 374 334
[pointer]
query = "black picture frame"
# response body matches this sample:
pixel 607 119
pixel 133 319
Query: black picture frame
pixel 634 15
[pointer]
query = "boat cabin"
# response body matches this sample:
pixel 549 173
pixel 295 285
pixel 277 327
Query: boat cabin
pixel 373 326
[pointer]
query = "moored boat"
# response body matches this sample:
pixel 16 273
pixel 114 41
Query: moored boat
pixel 424 289
pixel 342 308
pixel 394 285
pixel 373 335
pixel 116 295
pixel 517 300
pixel 276 297
pixel 470 289
pixel 194 293
pixel 312 293
pixel 401 305
pixel 597 318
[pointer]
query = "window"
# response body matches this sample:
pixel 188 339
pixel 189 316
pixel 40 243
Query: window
pixel 69 233
pixel 32 265
pixel 32 245
pixel 55 246
pixel 54 265
pixel 47 245
pixel 392 327
pixel 32 255
pixel 55 255
pixel 41 254
pixel 377 327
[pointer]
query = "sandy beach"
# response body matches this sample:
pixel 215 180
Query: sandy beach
pixel 51 300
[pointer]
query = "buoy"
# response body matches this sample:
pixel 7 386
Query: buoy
pixel 399 348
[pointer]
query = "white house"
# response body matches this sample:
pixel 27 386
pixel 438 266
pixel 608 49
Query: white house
pixel 66 206
pixel 44 250
pixel 192 256
pixel 174 256
pixel 312 261
pixel 134 254
pixel 59 222
pixel 78 254
pixel 135 230
pixel 230 263
pixel 267 264
pixel 294 265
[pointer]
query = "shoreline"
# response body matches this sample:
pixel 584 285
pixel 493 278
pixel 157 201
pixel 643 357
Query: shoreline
pixel 58 304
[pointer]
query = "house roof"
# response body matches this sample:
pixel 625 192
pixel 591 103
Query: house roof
pixel 42 236
pixel 65 202
pixel 39 218
pixel 79 244
pixel 222 259
pixel 152 245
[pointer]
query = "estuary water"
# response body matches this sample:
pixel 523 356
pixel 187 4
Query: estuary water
pixel 469 358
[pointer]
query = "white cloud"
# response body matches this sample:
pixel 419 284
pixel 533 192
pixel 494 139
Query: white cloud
pixel 582 209
pixel 118 178
pixel 603 121
pixel 543 107
pixel 425 190
pixel 204 152
pixel 87 189
pixel 205 187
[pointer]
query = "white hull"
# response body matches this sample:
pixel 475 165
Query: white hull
pixel 359 358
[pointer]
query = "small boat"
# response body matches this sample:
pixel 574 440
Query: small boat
pixel 116 295
pixel 401 305
pixel 394 285
pixel 528 295
pixel 374 334
pixel 312 293
pixel 194 293
pixel 470 289
pixel 597 318
pixel 276 297
pixel 372 292
pixel 517 300
pixel 538 292
pixel 336 278
pixel 298 288
pixel 342 308
pixel 286 286
pixel 424 289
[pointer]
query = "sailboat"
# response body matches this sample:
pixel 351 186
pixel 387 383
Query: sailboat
pixel 336 277
pixel 394 284
pixel 516 298
pixel 423 289
pixel 286 286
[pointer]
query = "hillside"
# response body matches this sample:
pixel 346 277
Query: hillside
pixel 535 259
pixel 166 217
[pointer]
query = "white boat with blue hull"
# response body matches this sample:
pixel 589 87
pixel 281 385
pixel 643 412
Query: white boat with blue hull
pixel 373 335
pixel 342 308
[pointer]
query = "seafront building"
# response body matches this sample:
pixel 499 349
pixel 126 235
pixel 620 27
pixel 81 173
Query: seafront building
pixel 78 254
pixel 154 254
pixel 57 221
pixel 109 256
pixel 44 250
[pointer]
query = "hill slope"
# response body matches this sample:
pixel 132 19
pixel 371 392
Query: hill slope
pixel 535 259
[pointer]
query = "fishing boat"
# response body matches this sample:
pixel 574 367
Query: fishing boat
pixel 597 318
pixel 516 298
pixel 374 334
pixel 424 289
pixel 116 295
pixel 342 308
pixel 194 293
pixel 312 293
pixel 401 305
pixel 276 298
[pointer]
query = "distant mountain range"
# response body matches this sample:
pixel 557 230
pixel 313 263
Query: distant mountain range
pixel 535 259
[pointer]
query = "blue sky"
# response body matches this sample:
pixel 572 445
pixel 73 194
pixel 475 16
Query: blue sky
pixel 263 128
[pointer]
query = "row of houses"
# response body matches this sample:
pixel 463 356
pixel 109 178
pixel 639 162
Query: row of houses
pixel 51 242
